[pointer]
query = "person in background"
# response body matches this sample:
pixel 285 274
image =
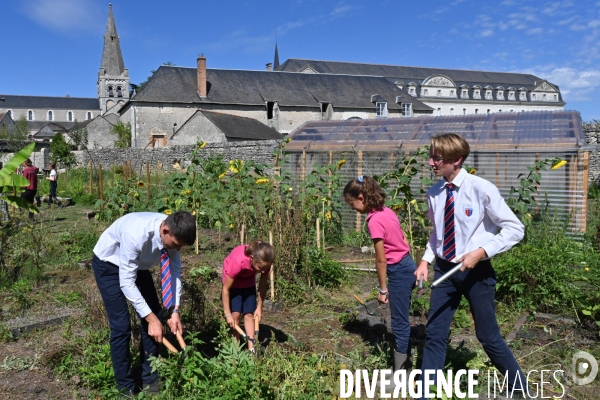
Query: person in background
pixel 239 285
pixel 30 173
pixel 52 178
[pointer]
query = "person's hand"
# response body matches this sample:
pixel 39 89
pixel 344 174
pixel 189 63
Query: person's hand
pixel 421 271
pixel 471 259
pixel 258 314
pixel 175 324
pixel 230 320
pixel 382 298
pixel 155 329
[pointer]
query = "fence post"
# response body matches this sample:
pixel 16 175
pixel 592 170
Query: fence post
pixel 272 273
pixel 100 185
pixel 318 234
pixel 359 173
pixel 148 181
pixel 91 177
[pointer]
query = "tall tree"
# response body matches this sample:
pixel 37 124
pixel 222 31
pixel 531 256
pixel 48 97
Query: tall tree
pixel 123 132
pixel 60 151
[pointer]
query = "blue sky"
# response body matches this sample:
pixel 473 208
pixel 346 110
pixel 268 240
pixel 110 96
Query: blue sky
pixel 53 47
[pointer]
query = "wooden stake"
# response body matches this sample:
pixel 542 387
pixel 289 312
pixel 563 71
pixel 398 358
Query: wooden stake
pixel 272 272
pixel 100 181
pixel 318 233
pixel 196 236
pixel 359 173
pixel 91 177
pixel 148 181
pixel 242 233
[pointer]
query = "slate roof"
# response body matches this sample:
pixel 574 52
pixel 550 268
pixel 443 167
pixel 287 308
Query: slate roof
pixel 49 102
pixel 112 59
pixel 179 85
pixel 49 130
pixel 417 74
pixel 37 125
pixel 235 127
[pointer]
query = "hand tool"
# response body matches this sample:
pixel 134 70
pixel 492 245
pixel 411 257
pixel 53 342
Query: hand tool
pixel 435 283
pixel 369 310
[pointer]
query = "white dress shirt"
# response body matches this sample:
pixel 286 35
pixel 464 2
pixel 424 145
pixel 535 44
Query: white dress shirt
pixel 133 243
pixel 481 218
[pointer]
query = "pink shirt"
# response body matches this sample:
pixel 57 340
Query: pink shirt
pixel 238 266
pixel 384 224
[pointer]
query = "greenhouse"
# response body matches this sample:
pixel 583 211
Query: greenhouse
pixel 503 145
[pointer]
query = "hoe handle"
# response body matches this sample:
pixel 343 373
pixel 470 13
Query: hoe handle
pixel 240 331
pixel 181 341
pixel 359 300
pixel 169 346
pixel 256 324
pixel 446 275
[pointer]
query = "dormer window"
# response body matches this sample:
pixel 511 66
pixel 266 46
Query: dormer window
pixel 511 95
pixel 407 109
pixel 50 116
pixel 500 95
pixel 110 92
pixel 425 92
pixel 411 91
pixel 326 111
pixel 439 93
pixel 452 93
pixel 488 95
pixel 533 97
pixel 381 109
pixel 555 97
pixel 476 94
pixel 544 97
pixel 399 84
pixel 270 109
pixel 464 94
pixel 523 96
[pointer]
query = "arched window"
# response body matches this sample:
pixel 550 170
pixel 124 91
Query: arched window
pixel 50 115
pixel 70 116
pixel 89 115
pixel 119 92
pixel 110 92
pixel 30 115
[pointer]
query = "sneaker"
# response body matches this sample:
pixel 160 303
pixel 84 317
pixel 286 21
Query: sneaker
pixel 152 388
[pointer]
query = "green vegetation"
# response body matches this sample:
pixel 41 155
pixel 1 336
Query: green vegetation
pixel 61 152
pixel 123 132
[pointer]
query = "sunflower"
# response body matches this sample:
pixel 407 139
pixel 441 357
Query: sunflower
pixel 194 212
pixel 328 215
pixel 262 181
pixel 231 226
pixel 472 171
pixel 201 145
pixel 223 174
pixel 187 192
pixel 168 211
pixel 341 163
pixel 140 184
pixel 289 139
pixel 559 164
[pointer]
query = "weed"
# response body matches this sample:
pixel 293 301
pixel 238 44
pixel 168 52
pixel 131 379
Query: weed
pixel 323 271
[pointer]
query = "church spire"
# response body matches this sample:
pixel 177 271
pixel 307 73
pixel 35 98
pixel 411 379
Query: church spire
pixel 112 59
pixel 276 59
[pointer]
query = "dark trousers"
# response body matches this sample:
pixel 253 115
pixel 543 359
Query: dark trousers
pixel 478 287
pixel 29 195
pixel 401 280
pixel 107 278
pixel 52 192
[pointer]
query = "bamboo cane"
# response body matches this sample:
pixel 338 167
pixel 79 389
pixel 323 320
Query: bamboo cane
pixel 272 273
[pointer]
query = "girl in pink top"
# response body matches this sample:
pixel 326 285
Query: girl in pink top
pixel 392 258
pixel 239 285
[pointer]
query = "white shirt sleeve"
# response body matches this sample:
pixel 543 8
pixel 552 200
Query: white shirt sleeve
pixel 429 255
pixel 512 230
pixel 129 253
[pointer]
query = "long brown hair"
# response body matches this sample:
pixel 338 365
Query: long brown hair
pixel 369 189
pixel 262 253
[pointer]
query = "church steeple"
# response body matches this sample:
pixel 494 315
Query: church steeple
pixel 113 77
pixel 276 59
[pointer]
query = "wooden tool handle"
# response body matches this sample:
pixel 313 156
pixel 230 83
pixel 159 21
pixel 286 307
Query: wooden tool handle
pixel 256 324
pixel 180 340
pixel 359 300
pixel 169 346
pixel 240 331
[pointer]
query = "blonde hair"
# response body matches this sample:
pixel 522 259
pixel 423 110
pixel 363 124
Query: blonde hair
pixel 450 147
pixel 368 188
pixel 262 253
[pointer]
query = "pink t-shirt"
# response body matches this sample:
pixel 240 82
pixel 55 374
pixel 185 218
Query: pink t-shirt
pixel 384 224
pixel 238 266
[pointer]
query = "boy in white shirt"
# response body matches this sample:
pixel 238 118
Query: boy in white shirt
pixel 471 224
pixel 122 258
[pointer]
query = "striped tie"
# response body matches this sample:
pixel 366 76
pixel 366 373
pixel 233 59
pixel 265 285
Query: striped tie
pixel 165 279
pixel 449 244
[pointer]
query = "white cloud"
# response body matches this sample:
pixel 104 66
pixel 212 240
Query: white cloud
pixel 486 32
pixel 578 27
pixel 535 31
pixel 594 24
pixel 568 20
pixel 65 15
pixel 508 3
pixel 575 85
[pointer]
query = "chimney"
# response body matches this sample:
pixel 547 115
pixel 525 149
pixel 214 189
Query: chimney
pixel 269 66
pixel 202 76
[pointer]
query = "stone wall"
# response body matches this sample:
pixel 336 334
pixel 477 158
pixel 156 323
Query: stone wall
pixel 260 151
pixel 592 136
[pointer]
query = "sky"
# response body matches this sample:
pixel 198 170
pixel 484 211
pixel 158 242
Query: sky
pixel 54 47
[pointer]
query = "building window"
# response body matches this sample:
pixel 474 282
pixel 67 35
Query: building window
pixel 500 95
pixel 555 97
pixel 425 92
pixel 110 92
pixel 452 93
pixel 533 97
pixel 476 94
pixel 411 91
pixel 465 94
pixel 119 91
pixel 439 112
pixel 499 111
pixel 89 115
pixel 30 115
pixel 488 110
pixel 544 97
pixel 488 95
pixel 326 111
pixel 511 95
pixel 464 111
pixel 50 115
pixel 522 96
pixel 70 116
pixel 439 93
pixel 270 108
pixel 476 111
pixel 381 109
pixel 407 109
pixel 451 111
pixel 512 110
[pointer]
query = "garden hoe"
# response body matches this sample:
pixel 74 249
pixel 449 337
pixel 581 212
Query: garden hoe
pixel 421 291
pixel 369 310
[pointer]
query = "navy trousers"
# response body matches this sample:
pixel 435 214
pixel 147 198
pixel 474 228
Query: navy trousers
pixel 401 281
pixel 478 287
pixel 107 278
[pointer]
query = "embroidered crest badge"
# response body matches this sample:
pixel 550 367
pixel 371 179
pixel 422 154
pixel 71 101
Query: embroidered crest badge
pixel 468 210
